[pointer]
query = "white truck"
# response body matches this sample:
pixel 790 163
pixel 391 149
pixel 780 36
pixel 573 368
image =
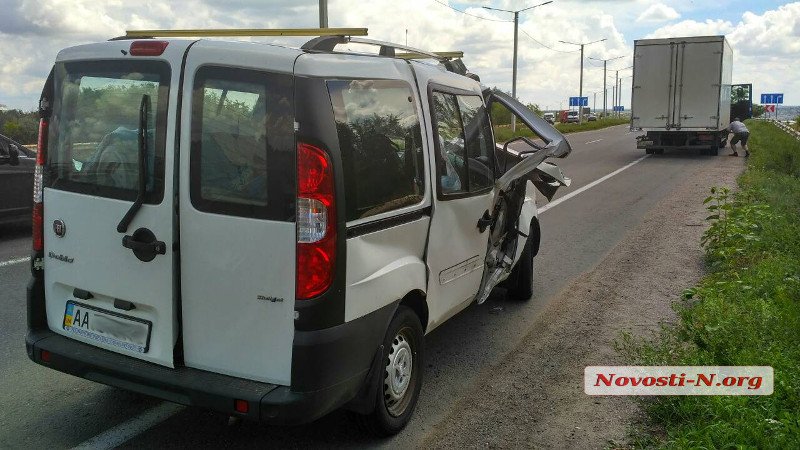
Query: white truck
pixel 681 93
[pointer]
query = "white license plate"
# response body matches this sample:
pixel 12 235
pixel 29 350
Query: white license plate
pixel 108 327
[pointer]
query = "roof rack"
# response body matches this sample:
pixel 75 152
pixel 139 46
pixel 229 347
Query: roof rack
pixel 448 55
pixel 242 32
pixel 450 60
pixel 328 43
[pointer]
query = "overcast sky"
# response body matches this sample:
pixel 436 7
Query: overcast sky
pixel 765 35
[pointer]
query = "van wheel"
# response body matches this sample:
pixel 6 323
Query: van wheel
pixel 520 282
pixel 400 383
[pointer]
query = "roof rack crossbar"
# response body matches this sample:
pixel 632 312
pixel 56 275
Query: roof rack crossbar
pixel 246 32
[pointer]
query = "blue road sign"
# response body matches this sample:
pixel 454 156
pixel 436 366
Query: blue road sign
pixel 771 99
pixel 619 108
pixel 579 101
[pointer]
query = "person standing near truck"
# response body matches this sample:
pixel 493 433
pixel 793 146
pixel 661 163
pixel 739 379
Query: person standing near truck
pixel 740 133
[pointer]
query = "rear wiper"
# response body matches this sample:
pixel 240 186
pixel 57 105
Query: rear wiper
pixel 144 112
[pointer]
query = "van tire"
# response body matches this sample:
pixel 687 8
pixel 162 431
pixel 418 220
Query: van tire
pixel 391 415
pixel 519 283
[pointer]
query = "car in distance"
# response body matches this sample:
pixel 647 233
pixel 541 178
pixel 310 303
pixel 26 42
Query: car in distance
pixel 572 117
pixel 16 180
pixel 549 117
pixel 591 117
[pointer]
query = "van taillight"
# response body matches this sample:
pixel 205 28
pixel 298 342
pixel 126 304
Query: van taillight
pixel 316 222
pixel 148 48
pixel 38 205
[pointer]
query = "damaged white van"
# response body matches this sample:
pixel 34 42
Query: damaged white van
pixel 269 232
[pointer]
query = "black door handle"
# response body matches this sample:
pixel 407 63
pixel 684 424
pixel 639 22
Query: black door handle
pixel 484 221
pixel 144 244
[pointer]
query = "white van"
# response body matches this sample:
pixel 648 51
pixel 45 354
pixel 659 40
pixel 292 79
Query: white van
pixel 269 232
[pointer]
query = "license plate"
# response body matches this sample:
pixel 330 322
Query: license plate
pixel 108 327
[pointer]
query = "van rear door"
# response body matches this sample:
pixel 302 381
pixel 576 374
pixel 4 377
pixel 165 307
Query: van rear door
pixel 237 210
pixel 107 284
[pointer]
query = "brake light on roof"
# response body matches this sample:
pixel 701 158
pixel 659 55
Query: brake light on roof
pixel 316 222
pixel 38 205
pixel 148 48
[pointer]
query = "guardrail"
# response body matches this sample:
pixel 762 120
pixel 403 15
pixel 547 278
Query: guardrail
pixel 785 126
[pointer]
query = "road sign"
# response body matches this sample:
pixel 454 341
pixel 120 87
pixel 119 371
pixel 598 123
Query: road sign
pixel 579 101
pixel 619 108
pixel 769 108
pixel 771 99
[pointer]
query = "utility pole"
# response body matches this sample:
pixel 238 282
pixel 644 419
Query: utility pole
pixel 605 63
pixel 323 13
pixel 516 38
pixel 594 103
pixel 580 90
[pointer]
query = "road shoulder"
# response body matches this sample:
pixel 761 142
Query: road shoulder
pixel 534 397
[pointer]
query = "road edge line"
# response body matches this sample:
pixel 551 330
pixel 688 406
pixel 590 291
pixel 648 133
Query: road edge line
pixel 11 262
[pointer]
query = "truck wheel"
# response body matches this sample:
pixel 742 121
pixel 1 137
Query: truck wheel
pixel 400 383
pixel 520 282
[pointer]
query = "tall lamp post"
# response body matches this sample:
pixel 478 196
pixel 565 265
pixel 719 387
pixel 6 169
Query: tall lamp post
pixel 618 85
pixel 580 91
pixel 605 62
pixel 516 38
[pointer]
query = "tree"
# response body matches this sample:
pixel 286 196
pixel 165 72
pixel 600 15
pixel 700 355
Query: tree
pixel 758 110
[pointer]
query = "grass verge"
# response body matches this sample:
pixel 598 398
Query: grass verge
pixel 746 311
pixel 503 133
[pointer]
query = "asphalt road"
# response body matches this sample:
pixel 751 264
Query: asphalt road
pixel 41 408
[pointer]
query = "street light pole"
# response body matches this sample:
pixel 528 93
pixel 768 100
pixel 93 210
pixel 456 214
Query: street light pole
pixel 516 38
pixel 514 70
pixel 323 13
pixel 580 90
pixel 605 63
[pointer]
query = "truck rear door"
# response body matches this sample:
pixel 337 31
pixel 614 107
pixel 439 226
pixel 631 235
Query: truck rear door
pixel 697 100
pixel 653 78
pixel 106 284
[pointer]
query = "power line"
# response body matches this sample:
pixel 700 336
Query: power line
pixel 547 46
pixel 471 15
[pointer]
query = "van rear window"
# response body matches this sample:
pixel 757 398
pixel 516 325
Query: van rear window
pixel 93 142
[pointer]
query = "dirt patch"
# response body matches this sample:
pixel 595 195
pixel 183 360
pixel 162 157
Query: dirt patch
pixel 534 397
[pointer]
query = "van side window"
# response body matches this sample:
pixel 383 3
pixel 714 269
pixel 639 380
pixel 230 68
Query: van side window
pixel 465 162
pixel 242 156
pixel 450 138
pixel 381 145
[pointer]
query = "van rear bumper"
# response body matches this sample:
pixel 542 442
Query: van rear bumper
pixel 323 386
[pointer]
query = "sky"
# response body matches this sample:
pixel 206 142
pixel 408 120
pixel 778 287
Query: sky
pixel 765 36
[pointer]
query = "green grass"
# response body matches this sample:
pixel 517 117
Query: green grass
pixel 746 311
pixel 503 133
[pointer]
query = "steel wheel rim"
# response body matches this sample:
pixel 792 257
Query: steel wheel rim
pixel 398 383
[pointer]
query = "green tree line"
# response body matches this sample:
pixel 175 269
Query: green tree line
pixel 20 126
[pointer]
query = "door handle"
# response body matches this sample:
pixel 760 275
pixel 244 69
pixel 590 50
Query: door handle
pixel 144 244
pixel 484 221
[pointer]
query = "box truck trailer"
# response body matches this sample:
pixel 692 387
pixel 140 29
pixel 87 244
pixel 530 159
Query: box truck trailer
pixel 681 95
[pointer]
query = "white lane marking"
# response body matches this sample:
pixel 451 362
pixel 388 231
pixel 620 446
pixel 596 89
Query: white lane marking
pixel 592 142
pixel 594 183
pixel 118 435
pixel 11 262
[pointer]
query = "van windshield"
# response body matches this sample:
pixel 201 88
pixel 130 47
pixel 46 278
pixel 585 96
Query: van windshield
pixel 94 128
